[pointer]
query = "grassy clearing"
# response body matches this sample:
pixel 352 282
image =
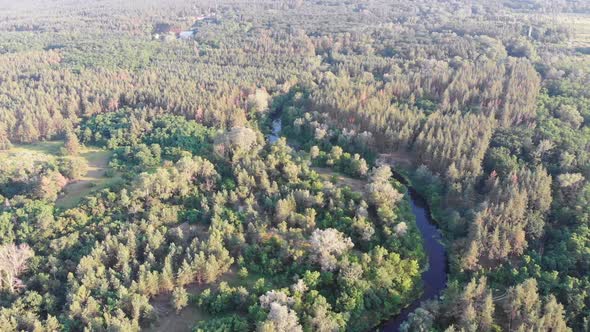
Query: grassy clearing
pixel 187 318
pixel 341 180
pixel 21 155
pixel 169 320
pixel 95 179
pixel 396 159
pixel 581 27
pixel 578 24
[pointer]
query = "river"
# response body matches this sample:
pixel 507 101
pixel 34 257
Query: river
pixel 434 278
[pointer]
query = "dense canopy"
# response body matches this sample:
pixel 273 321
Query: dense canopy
pixel 139 189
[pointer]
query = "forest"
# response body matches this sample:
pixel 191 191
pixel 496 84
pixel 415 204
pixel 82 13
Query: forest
pixel 145 185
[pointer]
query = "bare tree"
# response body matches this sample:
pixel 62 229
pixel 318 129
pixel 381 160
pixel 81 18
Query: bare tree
pixel 237 141
pixel 13 261
pixel 274 296
pixel 281 319
pixel 327 245
pixel 379 189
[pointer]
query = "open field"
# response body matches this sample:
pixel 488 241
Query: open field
pixel 581 27
pixel 23 154
pixel 95 179
pixel 578 24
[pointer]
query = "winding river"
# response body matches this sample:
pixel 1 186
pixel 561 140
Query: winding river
pixel 434 278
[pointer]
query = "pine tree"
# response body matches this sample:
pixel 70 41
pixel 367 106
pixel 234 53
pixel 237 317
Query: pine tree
pixel 72 145
pixel 167 276
pixel 179 298
pixel 4 139
pixel 185 274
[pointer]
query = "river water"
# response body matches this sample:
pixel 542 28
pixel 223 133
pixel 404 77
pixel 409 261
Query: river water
pixel 434 279
pixel 276 127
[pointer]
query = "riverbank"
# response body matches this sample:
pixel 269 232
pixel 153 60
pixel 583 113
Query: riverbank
pixel 434 276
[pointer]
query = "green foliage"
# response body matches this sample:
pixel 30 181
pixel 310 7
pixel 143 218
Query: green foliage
pixel 224 299
pixel 231 323
pixel 489 124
